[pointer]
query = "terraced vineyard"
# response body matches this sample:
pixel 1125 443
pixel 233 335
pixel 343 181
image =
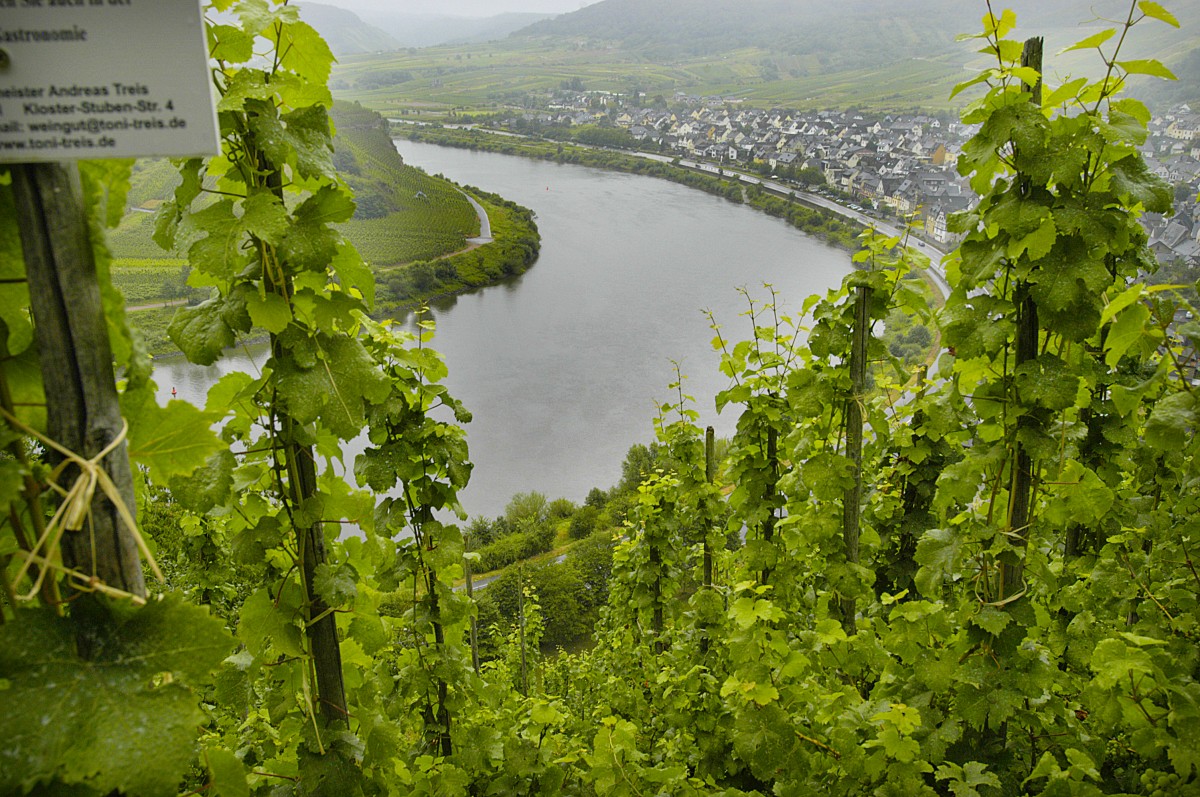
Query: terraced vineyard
pixel 404 215
pixel 150 281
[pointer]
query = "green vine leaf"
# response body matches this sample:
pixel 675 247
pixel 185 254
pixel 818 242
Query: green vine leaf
pixel 221 253
pixel 351 271
pixel 1172 422
pixel 135 697
pixel 300 138
pixel 335 387
pixel 226 774
pixel 202 332
pixel 172 440
pixel 1155 11
pixel 305 53
pixel 271 312
pixel 310 244
pixel 255 16
pixel 1151 67
pixel 206 486
pixel 263 626
pixel 230 43
pixel 1091 41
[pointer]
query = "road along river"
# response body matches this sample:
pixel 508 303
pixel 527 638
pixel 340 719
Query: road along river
pixel 564 366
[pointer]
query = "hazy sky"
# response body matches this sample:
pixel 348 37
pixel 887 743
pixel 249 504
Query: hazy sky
pixel 466 8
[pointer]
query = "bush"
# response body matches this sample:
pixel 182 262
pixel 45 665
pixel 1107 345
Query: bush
pixel 592 559
pixel 570 595
pixel 482 531
pixel 515 547
pixel 502 553
pixel 919 335
pixel 584 522
pixel 561 508
pixel 596 498
pixel 527 511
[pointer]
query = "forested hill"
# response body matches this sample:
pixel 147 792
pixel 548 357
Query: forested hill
pixel 846 35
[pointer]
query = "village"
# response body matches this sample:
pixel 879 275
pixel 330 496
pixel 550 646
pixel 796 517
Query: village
pixel 897 165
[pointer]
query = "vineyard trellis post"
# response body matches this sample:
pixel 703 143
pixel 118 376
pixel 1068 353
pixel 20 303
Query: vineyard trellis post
pixel 76 363
pixel 1011 573
pixel 852 499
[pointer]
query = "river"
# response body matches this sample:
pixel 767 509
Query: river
pixel 564 366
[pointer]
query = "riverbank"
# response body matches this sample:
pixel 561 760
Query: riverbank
pixel 822 224
pixel 513 248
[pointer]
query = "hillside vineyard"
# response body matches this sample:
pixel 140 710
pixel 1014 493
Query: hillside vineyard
pixel 968 575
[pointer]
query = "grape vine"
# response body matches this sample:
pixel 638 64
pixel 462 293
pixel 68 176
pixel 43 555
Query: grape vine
pixel 980 580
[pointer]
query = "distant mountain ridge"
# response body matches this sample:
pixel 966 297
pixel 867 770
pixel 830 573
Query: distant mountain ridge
pixel 429 30
pixel 345 32
pixel 846 34
pixel 686 28
pixel 368 31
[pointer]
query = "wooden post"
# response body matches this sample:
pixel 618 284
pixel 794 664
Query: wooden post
pixel 320 623
pixel 521 631
pixel 1021 494
pixel 769 492
pixel 852 499
pixel 471 597
pixel 710 475
pixel 71 332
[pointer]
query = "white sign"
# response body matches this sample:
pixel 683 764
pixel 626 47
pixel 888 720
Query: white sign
pixel 104 79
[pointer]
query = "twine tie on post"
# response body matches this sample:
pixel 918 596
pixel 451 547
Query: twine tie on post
pixel 76 510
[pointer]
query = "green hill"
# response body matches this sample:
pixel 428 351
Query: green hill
pixel 792 53
pixel 845 35
pixel 403 215
pixel 842 34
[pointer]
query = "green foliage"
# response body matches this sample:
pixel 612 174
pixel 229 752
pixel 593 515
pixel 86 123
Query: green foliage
pixel 514 547
pixel 818 223
pixel 979 584
pixel 124 718
pixel 583 522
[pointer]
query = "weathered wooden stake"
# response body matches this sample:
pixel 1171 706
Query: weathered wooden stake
pixel 710 475
pixel 1012 575
pixel 852 499
pixel 83 410
pixel 769 492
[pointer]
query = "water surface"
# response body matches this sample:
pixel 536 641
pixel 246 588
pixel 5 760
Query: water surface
pixel 565 366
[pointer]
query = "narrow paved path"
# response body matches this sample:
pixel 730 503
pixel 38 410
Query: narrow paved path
pixel 485 224
pixel 155 305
